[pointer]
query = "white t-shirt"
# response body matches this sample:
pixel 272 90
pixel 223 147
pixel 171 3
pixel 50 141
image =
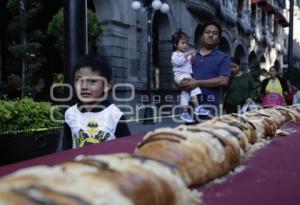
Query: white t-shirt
pixel 181 64
pixel 92 127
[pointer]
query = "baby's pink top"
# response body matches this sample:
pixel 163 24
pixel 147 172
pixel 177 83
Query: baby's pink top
pixel 181 64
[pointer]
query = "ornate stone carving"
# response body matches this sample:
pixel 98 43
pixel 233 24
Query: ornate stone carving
pixel 244 21
pixel 228 12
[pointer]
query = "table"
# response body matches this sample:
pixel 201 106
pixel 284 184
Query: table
pixel 124 144
pixel 271 175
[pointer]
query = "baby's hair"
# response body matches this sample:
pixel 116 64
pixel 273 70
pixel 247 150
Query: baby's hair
pixel 96 63
pixel 177 36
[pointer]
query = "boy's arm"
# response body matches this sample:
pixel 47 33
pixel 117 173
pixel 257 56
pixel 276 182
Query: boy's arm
pixel 122 129
pixel 67 137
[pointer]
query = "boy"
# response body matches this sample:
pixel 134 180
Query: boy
pixel 93 119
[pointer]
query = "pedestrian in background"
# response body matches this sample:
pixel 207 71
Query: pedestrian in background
pixel 274 89
pixel 211 67
pixel 296 97
pixel 291 91
pixel 182 69
pixel 240 90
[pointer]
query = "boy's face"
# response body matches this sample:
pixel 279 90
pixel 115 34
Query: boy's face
pixel 90 86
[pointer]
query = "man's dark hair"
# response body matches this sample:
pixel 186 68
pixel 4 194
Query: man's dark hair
pixel 214 23
pixel 177 36
pixel 96 63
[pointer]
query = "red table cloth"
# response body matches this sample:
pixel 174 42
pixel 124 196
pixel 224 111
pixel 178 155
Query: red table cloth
pixel 271 175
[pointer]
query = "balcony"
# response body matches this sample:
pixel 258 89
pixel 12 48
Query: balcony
pixel 259 2
pixel 228 12
pixel 270 9
pixel 279 41
pixel 201 8
pixel 244 21
pixel 268 37
pixel 279 18
pixel 258 31
pixel 273 7
pixel 215 3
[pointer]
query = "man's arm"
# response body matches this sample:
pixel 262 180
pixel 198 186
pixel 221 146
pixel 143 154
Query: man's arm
pixel 212 82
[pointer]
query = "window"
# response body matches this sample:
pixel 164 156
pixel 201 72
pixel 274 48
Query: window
pixel 253 12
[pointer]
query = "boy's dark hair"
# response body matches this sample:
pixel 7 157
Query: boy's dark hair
pixel 235 60
pixel 177 36
pixel 215 23
pixel 95 63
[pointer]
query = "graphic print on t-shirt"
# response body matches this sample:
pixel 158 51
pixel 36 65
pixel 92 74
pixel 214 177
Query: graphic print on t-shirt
pixel 92 135
pixel 92 127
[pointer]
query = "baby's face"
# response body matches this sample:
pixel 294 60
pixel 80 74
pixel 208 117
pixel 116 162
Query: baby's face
pixel 89 86
pixel 183 45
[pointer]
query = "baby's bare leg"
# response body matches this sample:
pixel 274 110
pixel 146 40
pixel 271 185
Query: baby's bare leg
pixel 195 100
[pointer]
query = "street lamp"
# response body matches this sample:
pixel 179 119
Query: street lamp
pixel 290 42
pixel 23 43
pixel 150 6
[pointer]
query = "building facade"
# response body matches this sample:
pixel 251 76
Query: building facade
pixel 296 32
pixel 253 32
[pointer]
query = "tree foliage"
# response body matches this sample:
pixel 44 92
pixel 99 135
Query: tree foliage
pixel 56 29
pixel 31 51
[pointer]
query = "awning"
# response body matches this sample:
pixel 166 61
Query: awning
pixel 279 18
pixel 270 9
pixel 259 2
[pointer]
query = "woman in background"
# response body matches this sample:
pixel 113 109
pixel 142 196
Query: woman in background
pixel 274 84
pixel 241 89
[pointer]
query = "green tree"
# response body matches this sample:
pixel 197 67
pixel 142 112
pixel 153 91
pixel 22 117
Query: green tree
pixel 56 29
pixel 30 51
